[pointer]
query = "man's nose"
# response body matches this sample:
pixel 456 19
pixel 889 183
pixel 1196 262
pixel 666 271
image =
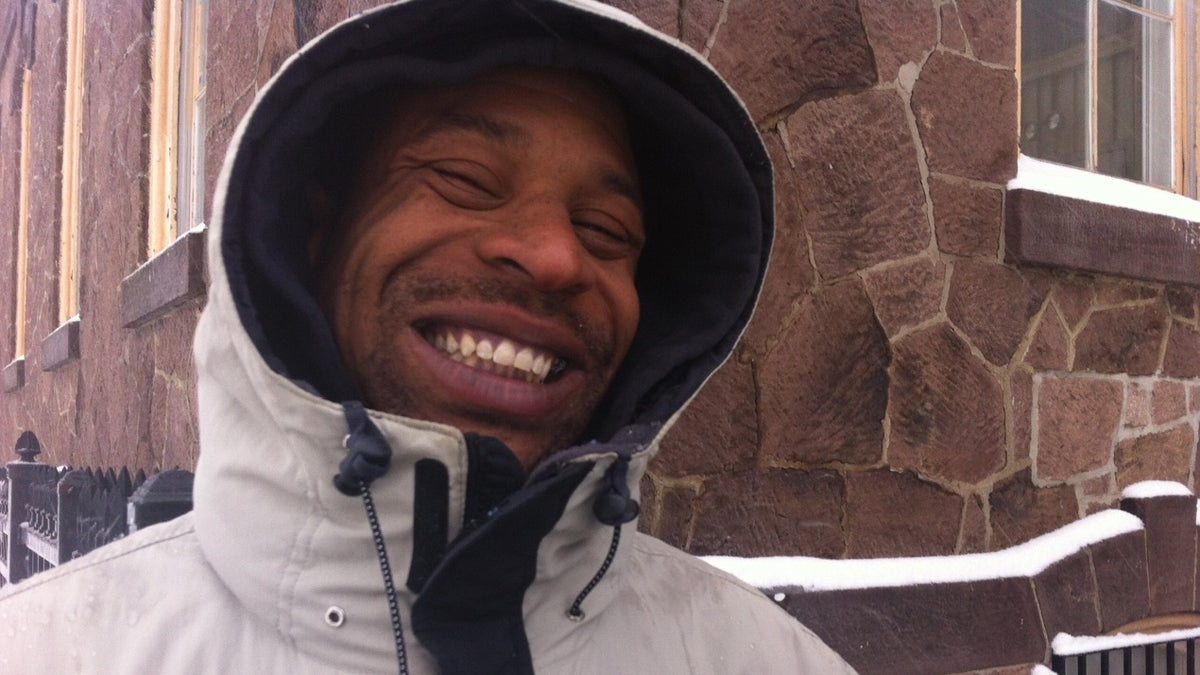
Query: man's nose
pixel 540 244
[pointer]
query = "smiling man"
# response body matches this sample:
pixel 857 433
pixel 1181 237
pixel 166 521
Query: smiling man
pixel 480 270
pixel 469 262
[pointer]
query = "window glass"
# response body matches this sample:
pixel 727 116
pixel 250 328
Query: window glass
pixel 1098 86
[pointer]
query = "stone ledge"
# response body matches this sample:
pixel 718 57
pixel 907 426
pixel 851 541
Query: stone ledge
pixel 13 375
pixel 62 346
pixel 1056 231
pixel 164 282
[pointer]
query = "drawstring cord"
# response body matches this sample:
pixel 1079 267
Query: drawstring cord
pixel 368 457
pixel 389 586
pixel 614 506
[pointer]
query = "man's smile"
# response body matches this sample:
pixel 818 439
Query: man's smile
pixel 496 354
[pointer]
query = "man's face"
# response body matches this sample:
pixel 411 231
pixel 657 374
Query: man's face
pixel 481 273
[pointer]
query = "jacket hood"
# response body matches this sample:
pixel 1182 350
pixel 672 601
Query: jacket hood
pixel 705 175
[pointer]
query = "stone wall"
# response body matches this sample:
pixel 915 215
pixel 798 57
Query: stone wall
pixel 902 390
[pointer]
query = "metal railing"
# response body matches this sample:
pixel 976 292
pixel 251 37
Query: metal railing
pixel 1170 653
pixel 49 516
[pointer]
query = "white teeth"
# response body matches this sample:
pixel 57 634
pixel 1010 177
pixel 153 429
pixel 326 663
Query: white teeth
pixel 524 360
pixel 506 358
pixel 484 349
pixel 505 353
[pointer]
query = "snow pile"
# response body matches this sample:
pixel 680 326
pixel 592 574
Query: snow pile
pixel 1067 181
pixel 1071 645
pixel 1041 670
pixel 1148 489
pixel 1024 560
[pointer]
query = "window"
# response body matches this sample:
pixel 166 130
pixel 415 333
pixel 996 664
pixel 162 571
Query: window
pixel 177 121
pixel 22 271
pixel 68 253
pixel 1107 86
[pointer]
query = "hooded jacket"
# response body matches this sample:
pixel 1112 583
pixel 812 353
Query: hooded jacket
pixel 326 537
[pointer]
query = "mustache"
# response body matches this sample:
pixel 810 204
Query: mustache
pixel 420 288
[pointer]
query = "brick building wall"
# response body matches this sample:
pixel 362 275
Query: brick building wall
pixel 904 388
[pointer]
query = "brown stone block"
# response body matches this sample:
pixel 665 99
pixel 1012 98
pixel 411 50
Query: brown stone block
pixel 1160 456
pixel 1193 398
pixel 952 33
pixel 892 513
pixel 1100 487
pixel 931 628
pixel 1020 386
pixel 1066 593
pixel 1182 358
pixel 771 512
pixel 946 410
pixel 790 273
pixel 823 390
pixel 314 17
pixel 1122 340
pixel 1138 399
pixel 776 52
pixel 1170 550
pixel 856 168
pixel 1112 292
pixel 907 294
pixel 1073 297
pixel 1078 420
pixel 661 15
pixel 718 431
pixel 1021 511
pixel 974 527
pixel 1170 401
pixel 1122 589
pixel 648 496
pixel 1182 302
pixel 968 219
pixel 967 131
pixel 1051 343
pixel 993 304
pixel 900 32
pixel 991 29
pixel 699 18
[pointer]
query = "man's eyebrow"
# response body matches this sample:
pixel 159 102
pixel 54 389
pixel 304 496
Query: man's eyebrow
pixel 451 122
pixel 622 185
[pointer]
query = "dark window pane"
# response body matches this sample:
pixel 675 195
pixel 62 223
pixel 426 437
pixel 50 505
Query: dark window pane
pixel 1054 80
pixel 1133 96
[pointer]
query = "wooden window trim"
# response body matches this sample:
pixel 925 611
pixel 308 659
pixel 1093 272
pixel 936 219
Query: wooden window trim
pixel 22 266
pixel 12 377
pixel 68 254
pixel 1064 232
pixel 61 346
pixel 166 281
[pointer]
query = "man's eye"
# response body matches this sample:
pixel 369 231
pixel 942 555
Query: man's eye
pixel 607 242
pixel 466 186
pixel 462 179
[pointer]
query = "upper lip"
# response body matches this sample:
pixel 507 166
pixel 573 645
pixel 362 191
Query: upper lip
pixel 511 322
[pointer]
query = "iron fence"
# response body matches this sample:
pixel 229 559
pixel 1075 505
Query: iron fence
pixel 1172 653
pixel 49 515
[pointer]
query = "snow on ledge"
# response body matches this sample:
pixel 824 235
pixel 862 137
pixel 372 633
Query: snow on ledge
pixel 1023 560
pixel 1071 645
pixel 1041 670
pixel 1067 181
pixel 1149 489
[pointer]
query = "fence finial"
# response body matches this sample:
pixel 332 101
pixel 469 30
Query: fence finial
pixel 28 446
